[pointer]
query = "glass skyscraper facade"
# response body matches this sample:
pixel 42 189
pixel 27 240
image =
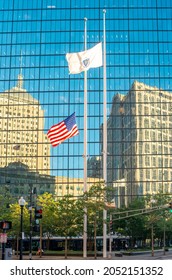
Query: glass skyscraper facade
pixel 37 91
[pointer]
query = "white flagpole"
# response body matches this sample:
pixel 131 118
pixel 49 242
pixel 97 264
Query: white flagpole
pixel 21 58
pixel 104 136
pixel 85 147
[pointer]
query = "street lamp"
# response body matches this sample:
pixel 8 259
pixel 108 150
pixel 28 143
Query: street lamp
pixel 21 203
pixel 165 220
pixel 30 210
pixel 152 229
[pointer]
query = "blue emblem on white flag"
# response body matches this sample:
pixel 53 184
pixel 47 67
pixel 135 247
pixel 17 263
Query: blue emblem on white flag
pixel 86 62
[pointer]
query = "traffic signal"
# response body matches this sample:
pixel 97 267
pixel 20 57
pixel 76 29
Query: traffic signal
pixel 170 207
pixel 38 214
pixel 5 225
pixel 36 228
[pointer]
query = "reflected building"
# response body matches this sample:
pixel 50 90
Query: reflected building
pixel 120 193
pixel 139 141
pixel 72 186
pixel 22 136
pixel 17 179
pixel 94 167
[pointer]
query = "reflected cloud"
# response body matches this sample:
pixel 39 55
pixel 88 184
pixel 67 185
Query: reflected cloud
pixel 26 17
pixel 62 98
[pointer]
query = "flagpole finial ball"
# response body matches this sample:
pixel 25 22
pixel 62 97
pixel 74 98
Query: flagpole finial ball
pixel 85 19
pixel 104 11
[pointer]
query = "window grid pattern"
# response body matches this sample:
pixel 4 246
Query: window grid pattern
pixel 37 92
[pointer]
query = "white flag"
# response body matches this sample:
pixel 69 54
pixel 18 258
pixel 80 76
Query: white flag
pixel 82 61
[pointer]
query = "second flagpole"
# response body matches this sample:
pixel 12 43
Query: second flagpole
pixel 85 145
pixel 104 137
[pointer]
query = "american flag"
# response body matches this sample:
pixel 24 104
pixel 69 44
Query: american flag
pixel 63 130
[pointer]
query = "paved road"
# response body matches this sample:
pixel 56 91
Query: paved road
pixel 158 255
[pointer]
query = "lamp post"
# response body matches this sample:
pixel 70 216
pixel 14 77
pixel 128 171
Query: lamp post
pixel 30 210
pixel 152 239
pixel 21 203
pixel 164 237
pixel 152 229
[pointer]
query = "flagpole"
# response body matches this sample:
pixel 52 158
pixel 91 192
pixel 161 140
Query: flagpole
pixel 85 145
pixel 104 136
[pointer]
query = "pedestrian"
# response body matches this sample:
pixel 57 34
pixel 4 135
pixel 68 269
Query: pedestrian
pixel 38 252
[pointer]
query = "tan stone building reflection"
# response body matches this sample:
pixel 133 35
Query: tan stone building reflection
pixel 72 186
pixel 140 141
pixel 22 137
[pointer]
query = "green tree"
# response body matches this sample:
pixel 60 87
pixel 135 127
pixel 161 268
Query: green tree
pixel 5 201
pixel 158 220
pixel 135 226
pixel 48 204
pixel 14 215
pixel 69 218
pixel 94 202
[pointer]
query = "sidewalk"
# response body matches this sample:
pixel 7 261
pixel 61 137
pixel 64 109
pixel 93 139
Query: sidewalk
pixel 54 257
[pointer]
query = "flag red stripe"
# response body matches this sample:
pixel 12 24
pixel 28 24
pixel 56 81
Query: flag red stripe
pixel 56 127
pixel 55 133
pixel 57 142
pixel 59 133
pixel 62 134
pixel 65 136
